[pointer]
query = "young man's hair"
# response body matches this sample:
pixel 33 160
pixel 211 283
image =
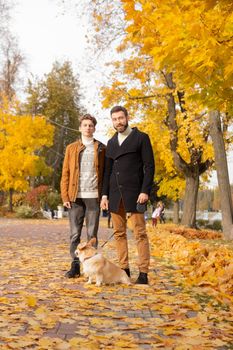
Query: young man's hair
pixel 119 109
pixel 88 117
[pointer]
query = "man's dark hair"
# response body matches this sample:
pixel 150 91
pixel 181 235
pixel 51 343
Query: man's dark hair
pixel 119 109
pixel 89 117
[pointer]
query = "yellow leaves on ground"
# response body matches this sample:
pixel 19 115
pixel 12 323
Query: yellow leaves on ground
pixel 31 300
pixel 99 323
pixel 167 310
pixel 45 311
pixel 202 265
pixel 188 232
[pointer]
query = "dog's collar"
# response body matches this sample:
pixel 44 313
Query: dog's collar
pixel 89 257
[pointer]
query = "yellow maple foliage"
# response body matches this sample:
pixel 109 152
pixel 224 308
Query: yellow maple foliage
pixel 138 83
pixel 197 48
pixel 196 45
pixel 21 139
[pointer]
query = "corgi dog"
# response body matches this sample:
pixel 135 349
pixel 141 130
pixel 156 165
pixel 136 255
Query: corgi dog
pixel 97 268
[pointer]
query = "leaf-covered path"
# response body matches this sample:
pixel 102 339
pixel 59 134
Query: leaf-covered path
pixel 40 309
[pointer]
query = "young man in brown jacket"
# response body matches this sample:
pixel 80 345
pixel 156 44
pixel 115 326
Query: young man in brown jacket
pixel 81 186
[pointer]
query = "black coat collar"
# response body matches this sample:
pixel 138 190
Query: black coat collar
pixel 114 150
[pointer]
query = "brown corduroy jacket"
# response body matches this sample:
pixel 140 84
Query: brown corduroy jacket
pixel 71 168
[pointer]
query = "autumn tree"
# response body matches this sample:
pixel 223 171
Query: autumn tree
pixel 21 139
pixel 11 58
pixel 11 63
pixel 205 199
pixel 146 86
pixel 57 97
pixel 193 53
pixel 169 183
pixel 181 144
pixel 182 150
pixel 197 48
pixel 5 7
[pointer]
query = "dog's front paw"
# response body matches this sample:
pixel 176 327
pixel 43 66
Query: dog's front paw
pixel 98 284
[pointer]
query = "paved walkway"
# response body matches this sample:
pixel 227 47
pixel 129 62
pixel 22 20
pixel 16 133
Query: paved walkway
pixel 40 309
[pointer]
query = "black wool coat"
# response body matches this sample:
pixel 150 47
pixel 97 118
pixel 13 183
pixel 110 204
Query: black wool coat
pixel 129 170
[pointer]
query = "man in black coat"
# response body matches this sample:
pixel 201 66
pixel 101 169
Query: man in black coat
pixel 128 177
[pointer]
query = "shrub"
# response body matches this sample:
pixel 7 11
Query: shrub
pixel 18 199
pixel 2 198
pixel 26 212
pixel 216 225
pixel 202 223
pixel 37 197
pixel 53 200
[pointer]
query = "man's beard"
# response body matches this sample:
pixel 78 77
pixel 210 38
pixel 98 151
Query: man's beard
pixel 124 127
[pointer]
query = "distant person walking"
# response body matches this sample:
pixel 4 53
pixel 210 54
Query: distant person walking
pixel 157 213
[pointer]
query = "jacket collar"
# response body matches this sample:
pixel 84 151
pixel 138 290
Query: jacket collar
pixel 116 150
pixel 80 143
pixel 115 136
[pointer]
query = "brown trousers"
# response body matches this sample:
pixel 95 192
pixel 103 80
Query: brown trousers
pixel 139 229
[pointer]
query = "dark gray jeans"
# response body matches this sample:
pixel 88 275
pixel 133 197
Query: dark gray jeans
pixel 89 209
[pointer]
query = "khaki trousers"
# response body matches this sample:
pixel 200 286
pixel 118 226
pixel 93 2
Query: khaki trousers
pixel 139 230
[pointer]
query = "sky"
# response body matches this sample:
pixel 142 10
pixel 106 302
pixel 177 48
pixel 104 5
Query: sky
pixel 46 33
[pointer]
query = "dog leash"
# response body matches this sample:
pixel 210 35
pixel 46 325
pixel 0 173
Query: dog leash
pixel 127 217
pixel 107 240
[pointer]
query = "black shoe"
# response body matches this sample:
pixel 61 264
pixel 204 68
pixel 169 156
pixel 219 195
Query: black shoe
pixel 127 271
pixel 74 270
pixel 142 278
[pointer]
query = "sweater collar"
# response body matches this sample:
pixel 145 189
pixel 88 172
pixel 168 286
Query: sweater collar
pixel 87 140
pixel 125 133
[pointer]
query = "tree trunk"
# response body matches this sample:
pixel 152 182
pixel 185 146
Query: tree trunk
pixel 191 172
pixel 11 199
pixel 32 181
pixel 190 201
pixel 222 174
pixel 176 209
pixel 57 163
pixel 195 167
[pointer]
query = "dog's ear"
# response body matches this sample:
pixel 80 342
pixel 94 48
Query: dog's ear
pixel 92 241
pixel 82 245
